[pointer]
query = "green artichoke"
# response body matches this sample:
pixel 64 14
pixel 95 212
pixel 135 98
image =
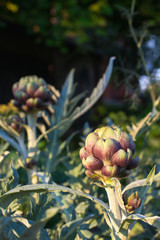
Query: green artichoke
pixel 108 153
pixel 31 94
pixel 131 200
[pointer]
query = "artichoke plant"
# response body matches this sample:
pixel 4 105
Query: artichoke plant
pixel 108 153
pixel 31 94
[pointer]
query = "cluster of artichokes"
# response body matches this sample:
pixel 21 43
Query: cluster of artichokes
pixel 108 153
pixel 31 94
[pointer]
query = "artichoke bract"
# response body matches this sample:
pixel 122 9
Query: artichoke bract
pixel 108 153
pixel 31 94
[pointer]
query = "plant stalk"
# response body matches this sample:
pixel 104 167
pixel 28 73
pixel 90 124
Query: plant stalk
pixel 115 216
pixel 32 142
pixel 139 44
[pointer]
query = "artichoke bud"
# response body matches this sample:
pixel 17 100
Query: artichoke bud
pixel 131 200
pixel 31 94
pixel 30 162
pixel 13 123
pixel 110 151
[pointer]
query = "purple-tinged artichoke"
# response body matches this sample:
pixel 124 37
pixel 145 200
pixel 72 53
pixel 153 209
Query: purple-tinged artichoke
pixel 108 153
pixel 31 94
pixel 15 123
pixel 131 200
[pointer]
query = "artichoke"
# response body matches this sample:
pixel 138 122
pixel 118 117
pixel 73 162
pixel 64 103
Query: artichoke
pixel 15 123
pixel 108 153
pixel 131 200
pixel 31 94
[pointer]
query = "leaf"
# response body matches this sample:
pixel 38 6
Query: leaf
pixel 136 130
pixel 3 155
pixel 60 107
pixel 3 148
pixel 31 232
pixel 11 227
pixel 140 182
pixel 20 192
pixel 40 204
pixel 118 194
pixel 142 190
pixel 15 177
pixel 153 221
pixel 97 92
pixel 88 102
pixel 69 228
pixel 9 139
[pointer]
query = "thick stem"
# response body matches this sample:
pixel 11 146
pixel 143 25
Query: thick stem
pixel 32 142
pixel 116 211
pixel 32 135
pixel 23 148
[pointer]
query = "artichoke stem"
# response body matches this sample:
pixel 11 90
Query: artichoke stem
pixel 32 135
pixel 32 145
pixel 23 148
pixel 116 218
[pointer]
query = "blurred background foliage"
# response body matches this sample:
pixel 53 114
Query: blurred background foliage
pixel 51 37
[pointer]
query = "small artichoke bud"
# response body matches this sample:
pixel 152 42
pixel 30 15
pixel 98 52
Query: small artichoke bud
pixel 30 163
pixel 15 123
pixel 131 200
pixel 110 151
pixel 31 94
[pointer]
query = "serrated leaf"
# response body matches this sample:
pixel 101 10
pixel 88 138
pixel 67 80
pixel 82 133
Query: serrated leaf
pixel 88 102
pixel 69 228
pixel 3 155
pixel 9 139
pixel 60 108
pixel 20 192
pixel 3 148
pixel 142 190
pixel 153 221
pixel 140 127
pixel 140 182
pixel 15 177
pixel 11 227
pixel 31 232
pixel 96 93
pixel 40 205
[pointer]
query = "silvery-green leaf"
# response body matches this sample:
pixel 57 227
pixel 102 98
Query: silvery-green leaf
pixel 3 155
pixel 40 204
pixel 60 107
pixel 14 177
pixel 32 231
pixel 153 221
pixel 141 182
pixel 3 148
pixel 22 191
pixel 97 92
pixel 9 139
pixel 118 194
pixel 11 227
pixel 88 102
pixel 142 190
pixel 69 229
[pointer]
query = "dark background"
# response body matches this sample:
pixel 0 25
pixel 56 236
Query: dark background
pixel 49 38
